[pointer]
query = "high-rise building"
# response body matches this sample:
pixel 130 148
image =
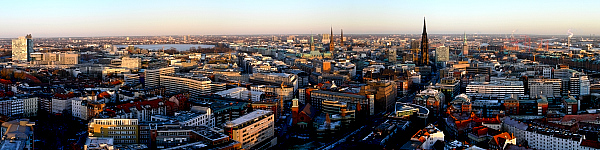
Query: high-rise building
pixel 442 54
pixel 22 48
pixel 465 49
pixel 424 46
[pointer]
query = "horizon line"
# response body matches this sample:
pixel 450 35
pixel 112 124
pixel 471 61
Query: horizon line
pixel 593 35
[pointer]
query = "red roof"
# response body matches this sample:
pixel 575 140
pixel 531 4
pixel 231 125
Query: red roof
pixel 591 143
pixel 580 118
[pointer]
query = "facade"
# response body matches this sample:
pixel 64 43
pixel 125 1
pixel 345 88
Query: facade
pixel 450 86
pixel 153 76
pixel 579 86
pixel 275 79
pixel 123 131
pixel 442 54
pixel 433 100
pixel 189 118
pixel 61 105
pixel 241 93
pixel 544 87
pixel 143 110
pixel 385 93
pixel 544 137
pixel 501 88
pixel 196 86
pixel 54 58
pixel 254 130
pixel 30 106
pixel 131 63
pixel 461 104
pixel 22 48
pixel 285 93
pixel 11 107
pixel 362 104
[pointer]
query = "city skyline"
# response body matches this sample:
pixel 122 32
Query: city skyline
pixel 132 18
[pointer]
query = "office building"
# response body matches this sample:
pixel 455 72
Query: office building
pixel 195 85
pixel 152 77
pixel 124 131
pixel 131 63
pixel 241 93
pixel 432 99
pixel 254 130
pixel 385 93
pixel 54 58
pixel 22 48
pixel 186 118
pixel 362 104
pixel 500 88
pixel 544 87
pixel 274 79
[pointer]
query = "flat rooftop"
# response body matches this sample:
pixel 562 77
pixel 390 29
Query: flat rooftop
pixel 250 117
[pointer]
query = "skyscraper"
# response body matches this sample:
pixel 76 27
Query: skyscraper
pixel 465 49
pixel 331 45
pixel 22 48
pixel 424 46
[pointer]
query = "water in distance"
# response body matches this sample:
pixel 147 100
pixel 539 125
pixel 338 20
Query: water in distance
pixel 179 47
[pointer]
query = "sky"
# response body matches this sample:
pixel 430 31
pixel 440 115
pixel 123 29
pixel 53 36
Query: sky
pixel 83 18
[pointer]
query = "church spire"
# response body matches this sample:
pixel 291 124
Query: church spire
pixel 424 46
pixel 331 45
pixel 342 38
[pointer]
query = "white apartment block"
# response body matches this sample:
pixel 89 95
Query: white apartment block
pixel 30 106
pixel 153 76
pixel 501 88
pixel 252 129
pixel 195 85
pixel 60 105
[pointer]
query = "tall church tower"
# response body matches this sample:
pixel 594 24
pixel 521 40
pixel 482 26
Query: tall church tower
pixel 331 45
pixel 342 38
pixel 424 46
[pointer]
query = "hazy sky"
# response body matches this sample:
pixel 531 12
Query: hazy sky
pixel 194 17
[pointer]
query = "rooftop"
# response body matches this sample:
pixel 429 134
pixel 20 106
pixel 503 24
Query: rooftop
pixel 99 143
pixel 253 116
